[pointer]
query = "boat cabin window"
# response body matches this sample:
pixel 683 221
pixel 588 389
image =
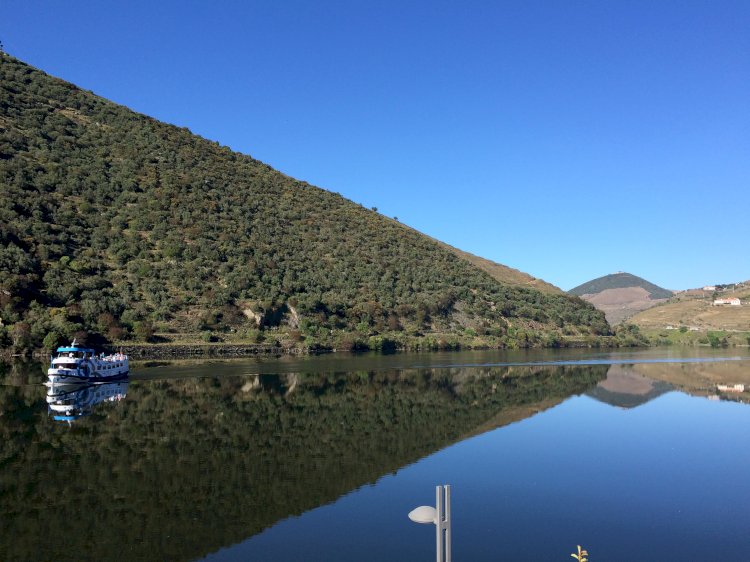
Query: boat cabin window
pixel 75 354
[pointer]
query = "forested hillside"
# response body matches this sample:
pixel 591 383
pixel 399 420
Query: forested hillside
pixel 620 281
pixel 118 225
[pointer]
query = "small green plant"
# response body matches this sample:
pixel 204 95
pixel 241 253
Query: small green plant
pixel 209 337
pixel 582 556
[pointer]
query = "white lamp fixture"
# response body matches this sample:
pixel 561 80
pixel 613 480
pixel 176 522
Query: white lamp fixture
pixel 441 518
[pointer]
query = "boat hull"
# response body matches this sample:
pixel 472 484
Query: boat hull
pixel 55 377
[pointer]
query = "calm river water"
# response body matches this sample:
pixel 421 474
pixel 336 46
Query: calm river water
pixel 636 455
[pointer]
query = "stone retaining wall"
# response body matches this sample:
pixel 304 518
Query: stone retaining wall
pixel 216 350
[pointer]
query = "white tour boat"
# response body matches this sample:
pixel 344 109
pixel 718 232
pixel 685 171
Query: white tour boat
pixel 75 364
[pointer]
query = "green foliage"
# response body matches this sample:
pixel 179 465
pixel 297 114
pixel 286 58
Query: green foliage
pixel 629 335
pixel 351 342
pixel 122 221
pixel 51 341
pixel 209 337
pixel 144 330
pixel 254 336
pixel 717 339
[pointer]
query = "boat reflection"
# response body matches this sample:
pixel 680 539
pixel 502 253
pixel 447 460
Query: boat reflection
pixel 68 403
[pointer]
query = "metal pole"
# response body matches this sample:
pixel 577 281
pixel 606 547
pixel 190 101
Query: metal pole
pixel 447 523
pixel 440 516
pixel 439 523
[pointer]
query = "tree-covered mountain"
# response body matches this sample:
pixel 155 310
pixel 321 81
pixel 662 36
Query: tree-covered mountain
pixel 620 280
pixel 620 295
pixel 117 224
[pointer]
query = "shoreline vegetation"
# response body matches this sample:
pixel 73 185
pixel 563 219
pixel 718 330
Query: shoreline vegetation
pixel 197 348
pixel 166 346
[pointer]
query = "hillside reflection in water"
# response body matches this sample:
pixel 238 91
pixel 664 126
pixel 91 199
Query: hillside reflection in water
pixel 188 466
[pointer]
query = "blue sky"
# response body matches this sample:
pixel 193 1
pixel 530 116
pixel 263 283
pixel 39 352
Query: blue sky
pixel 568 139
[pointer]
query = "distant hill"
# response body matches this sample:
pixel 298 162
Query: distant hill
pixel 116 224
pixel 695 310
pixel 620 295
pixel 620 281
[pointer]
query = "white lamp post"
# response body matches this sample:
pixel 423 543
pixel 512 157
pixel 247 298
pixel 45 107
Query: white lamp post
pixel 440 516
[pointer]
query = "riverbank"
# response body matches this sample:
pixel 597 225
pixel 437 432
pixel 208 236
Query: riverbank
pixel 187 348
pixel 178 351
pixel 682 336
pixel 169 347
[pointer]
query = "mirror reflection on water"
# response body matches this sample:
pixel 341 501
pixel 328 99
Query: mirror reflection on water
pixel 636 455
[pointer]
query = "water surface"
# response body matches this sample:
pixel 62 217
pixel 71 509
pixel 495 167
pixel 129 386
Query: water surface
pixel 321 458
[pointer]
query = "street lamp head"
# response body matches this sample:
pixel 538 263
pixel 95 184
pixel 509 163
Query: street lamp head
pixel 423 514
pixel 440 516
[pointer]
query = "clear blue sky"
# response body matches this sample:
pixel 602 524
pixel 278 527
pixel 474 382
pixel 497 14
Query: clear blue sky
pixel 568 139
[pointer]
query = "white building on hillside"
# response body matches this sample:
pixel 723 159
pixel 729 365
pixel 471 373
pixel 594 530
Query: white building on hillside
pixel 730 387
pixel 731 302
